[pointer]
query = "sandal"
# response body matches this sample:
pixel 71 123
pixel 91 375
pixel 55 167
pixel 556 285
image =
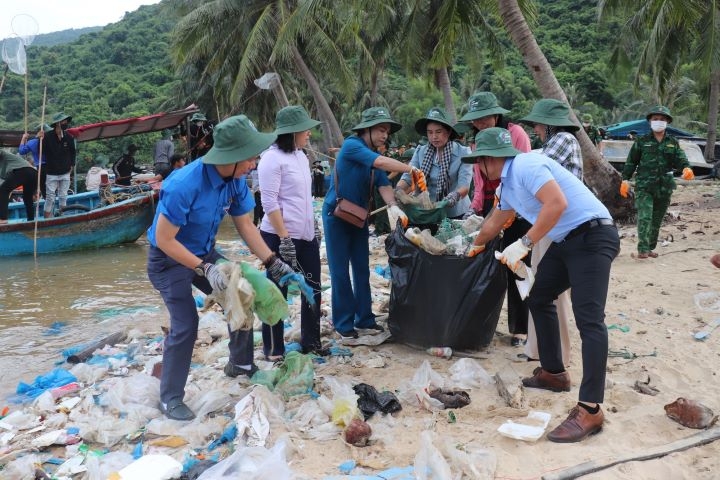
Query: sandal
pixel 652 255
pixel 177 410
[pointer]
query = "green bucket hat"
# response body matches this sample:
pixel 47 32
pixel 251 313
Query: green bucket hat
pixel 549 111
pixel 293 119
pixel 408 153
pixel 586 118
pixel 198 116
pixel 659 110
pixel 375 116
pixel 492 142
pixel 481 105
pixel 166 133
pixel 59 117
pixel 437 115
pixel 236 139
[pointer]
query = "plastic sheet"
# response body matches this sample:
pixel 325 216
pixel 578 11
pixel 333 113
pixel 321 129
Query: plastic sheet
pixel 443 299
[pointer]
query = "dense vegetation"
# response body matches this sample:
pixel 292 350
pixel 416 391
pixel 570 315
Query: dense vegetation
pixel 125 70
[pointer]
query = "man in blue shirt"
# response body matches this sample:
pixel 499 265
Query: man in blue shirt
pixel 193 202
pixel 585 242
pixel 32 146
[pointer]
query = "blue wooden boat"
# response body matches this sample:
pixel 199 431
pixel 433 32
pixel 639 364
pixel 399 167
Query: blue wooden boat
pixel 88 222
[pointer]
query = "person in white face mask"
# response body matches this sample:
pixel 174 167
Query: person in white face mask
pixel 653 158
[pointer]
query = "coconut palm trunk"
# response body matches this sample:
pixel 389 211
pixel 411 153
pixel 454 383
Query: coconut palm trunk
pixel 443 81
pixel 713 100
pixel 599 175
pixel 330 126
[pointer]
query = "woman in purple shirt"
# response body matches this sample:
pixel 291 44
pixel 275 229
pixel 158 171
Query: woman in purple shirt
pixel 288 226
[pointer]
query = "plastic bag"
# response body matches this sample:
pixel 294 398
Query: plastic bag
pixel 342 406
pixel 429 462
pixel 468 373
pixel 252 463
pixel 238 299
pixel 443 299
pixel 294 376
pixel 415 392
pixel 269 304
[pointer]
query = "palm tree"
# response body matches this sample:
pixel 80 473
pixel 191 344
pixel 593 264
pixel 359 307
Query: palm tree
pixel 600 176
pixel 668 32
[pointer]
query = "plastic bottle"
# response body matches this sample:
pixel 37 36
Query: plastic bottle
pixel 442 352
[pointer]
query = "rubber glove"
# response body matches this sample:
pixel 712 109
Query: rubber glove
pixel 624 189
pixel 278 269
pixel 688 174
pixel 513 254
pixel 216 277
pixel 474 250
pixel 287 251
pixel 452 198
pixel 419 179
pixel 395 213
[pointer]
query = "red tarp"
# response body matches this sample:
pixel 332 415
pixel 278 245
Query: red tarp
pixel 114 128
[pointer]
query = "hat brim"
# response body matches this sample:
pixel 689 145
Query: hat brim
pixel 308 124
pixel 66 117
pixel 500 152
pixel 658 113
pixel 258 143
pixel 421 127
pixel 470 116
pixel 551 121
pixel 394 126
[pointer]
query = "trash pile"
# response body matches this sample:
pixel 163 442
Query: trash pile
pixel 452 238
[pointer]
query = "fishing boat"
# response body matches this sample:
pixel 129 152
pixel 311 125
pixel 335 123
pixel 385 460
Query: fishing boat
pixel 88 221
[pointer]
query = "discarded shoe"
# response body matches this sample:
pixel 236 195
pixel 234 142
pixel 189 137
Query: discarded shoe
pixel 578 425
pixel 556 382
pixel 177 410
pixel 234 371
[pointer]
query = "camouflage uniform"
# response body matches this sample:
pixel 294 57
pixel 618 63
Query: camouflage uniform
pixel 594 133
pixel 655 163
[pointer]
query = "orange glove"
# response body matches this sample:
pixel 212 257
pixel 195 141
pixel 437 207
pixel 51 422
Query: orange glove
pixel 474 250
pixel 624 189
pixel 688 174
pixel 418 178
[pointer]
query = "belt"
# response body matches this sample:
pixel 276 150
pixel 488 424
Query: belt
pixel 585 226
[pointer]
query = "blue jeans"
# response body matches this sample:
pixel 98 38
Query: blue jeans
pixel 308 260
pixel 348 245
pixel 174 282
pixel 582 264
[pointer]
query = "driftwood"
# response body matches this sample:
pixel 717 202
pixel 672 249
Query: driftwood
pixel 701 438
pixel 111 340
pixel 509 387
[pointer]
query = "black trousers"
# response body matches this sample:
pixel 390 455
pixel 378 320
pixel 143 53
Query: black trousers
pixel 25 176
pixel 308 260
pixel 516 306
pixel 258 212
pixel 582 264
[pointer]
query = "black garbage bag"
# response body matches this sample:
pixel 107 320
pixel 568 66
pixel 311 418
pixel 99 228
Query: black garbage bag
pixel 443 300
pixel 371 401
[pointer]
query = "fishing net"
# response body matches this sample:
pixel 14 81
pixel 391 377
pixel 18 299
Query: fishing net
pixel 13 54
pixel 25 27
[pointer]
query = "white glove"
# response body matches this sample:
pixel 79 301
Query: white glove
pixel 215 276
pixel 513 254
pixel 395 213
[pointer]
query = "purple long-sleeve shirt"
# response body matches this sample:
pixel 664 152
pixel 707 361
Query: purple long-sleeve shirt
pixel 285 185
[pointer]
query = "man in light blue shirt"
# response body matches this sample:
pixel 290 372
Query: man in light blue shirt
pixel 585 242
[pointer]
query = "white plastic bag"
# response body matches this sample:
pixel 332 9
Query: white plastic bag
pixel 252 463
pixel 468 373
pixel 415 392
pixel 429 462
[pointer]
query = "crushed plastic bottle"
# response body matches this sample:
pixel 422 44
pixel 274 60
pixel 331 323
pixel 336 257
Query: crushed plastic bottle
pixel 442 352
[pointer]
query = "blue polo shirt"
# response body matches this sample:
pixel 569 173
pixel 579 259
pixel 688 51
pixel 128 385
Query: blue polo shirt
pixel 32 146
pixel 195 198
pixel 353 166
pixel 527 173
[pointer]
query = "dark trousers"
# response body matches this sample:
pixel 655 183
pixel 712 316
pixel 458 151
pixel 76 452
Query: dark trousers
pixel 258 213
pixel 581 263
pixel 43 181
pixel 25 176
pixel 174 282
pixel 516 306
pixel 318 186
pixel 308 261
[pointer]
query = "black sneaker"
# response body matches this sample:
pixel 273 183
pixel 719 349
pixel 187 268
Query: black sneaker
pixel 234 371
pixel 319 351
pixel 371 330
pixel 352 334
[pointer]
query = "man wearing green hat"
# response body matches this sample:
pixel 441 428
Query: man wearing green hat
pixel 358 169
pixel 592 131
pixel 193 202
pixel 448 179
pixel 654 157
pixel 584 244
pixel 59 149
pixel 200 136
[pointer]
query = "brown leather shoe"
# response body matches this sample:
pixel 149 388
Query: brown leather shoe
pixel 557 382
pixel 578 425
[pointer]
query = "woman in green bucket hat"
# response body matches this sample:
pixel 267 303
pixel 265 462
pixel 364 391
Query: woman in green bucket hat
pixel 289 226
pixel 358 169
pixel 483 112
pixel 448 179
pixel 193 202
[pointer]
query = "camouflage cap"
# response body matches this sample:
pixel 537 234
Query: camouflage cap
pixel 659 110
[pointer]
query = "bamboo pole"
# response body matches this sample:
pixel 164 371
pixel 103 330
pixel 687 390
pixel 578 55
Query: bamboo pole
pixel 39 176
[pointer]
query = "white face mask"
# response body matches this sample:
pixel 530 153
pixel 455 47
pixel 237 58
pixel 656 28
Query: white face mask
pixel 658 125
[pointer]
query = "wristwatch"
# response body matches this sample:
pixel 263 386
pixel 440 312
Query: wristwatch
pixel 200 269
pixel 527 242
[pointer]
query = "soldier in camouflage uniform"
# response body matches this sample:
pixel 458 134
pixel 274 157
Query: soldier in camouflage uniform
pixel 592 131
pixel 655 157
